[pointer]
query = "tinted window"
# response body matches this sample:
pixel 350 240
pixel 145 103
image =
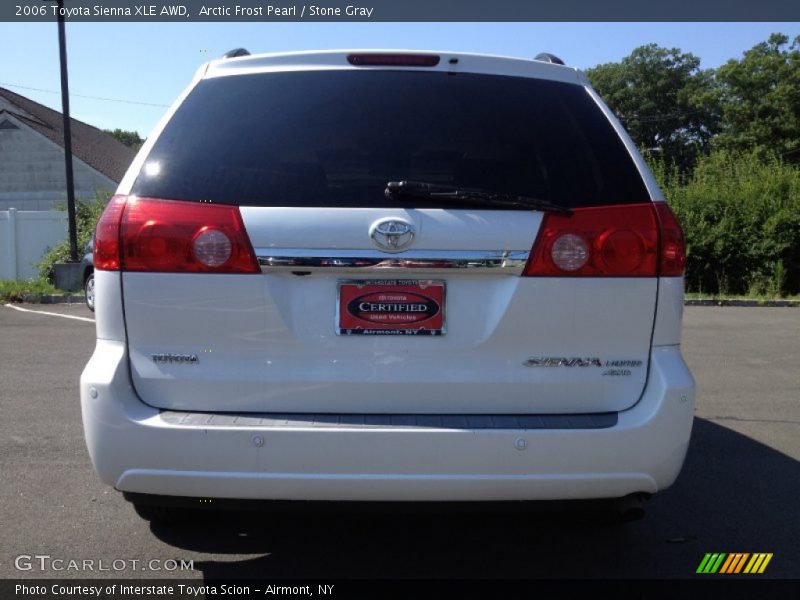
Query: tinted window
pixel 334 138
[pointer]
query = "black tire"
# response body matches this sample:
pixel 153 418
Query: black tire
pixel 88 288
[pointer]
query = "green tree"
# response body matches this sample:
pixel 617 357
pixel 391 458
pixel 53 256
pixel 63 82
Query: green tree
pixel 760 99
pixel 740 213
pixel 129 138
pixel 665 101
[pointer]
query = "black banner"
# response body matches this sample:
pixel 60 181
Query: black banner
pixel 186 589
pixel 405 10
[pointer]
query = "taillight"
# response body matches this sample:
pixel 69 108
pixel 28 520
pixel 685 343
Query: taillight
pixel 106 236
pixel 606 241
pixel 673 246
pixel 172 236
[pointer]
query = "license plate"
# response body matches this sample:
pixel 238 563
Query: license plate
pixel 390 307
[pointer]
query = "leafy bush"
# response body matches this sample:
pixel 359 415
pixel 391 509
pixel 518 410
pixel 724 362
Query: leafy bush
pixel 87 213
pixel 741 217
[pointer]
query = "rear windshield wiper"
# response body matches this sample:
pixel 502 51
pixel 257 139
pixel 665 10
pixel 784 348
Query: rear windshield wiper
pixel 470 196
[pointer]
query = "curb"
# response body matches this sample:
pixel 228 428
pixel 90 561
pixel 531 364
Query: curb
pixel 746 303
pixel 53 299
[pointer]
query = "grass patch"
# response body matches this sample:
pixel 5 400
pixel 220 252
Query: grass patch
pixel 19 291
pixel 757 297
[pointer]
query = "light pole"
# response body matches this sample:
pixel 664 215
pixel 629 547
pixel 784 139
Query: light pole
pixel 62 51
pixel 66 276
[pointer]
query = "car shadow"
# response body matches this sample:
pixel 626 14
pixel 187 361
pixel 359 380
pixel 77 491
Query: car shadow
pixel 734 495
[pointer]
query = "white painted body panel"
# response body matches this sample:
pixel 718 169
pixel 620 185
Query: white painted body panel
pixel 108 313
pixel 348 228
pixel 135 450
pixel 267 343
pixel 669 317
pixel 337 59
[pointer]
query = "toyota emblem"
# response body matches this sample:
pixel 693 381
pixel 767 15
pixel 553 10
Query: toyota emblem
pixel 392 235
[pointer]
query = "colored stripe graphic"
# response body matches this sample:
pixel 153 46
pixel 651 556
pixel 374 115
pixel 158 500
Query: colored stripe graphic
pixel 758 563
pixel 741 562
pixel 716 565
pixel 711 563
pixel 703 563
pixel 753 564
pixel 765 563
pixel 734 562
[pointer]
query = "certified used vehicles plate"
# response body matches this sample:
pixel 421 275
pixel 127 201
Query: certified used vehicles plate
pixel 391 307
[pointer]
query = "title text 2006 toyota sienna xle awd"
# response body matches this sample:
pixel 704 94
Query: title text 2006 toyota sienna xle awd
pixel 365 276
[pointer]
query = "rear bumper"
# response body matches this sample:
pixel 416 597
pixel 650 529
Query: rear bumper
pixel 136 449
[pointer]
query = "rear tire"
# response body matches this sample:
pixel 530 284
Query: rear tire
pixel 88 288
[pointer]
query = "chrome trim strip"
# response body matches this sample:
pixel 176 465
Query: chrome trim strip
pixel 271 259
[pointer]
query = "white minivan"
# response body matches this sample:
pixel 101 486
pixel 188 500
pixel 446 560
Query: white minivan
pixel 387 276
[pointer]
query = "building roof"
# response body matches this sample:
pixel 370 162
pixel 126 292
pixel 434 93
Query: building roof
pixel 90 144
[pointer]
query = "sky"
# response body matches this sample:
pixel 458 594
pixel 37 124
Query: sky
pixel 145 63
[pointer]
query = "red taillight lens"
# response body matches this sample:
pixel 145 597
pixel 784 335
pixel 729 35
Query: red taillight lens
pixel 606 241
pixel 673 246
pixel 106 236
pixel 393 60
pixel 170 236
pixel 185 237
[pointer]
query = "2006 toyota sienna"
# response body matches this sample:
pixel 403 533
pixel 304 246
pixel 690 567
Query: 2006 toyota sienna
pixel 387 276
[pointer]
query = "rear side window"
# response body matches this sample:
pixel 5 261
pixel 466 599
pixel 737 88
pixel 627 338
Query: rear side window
pixel 335 138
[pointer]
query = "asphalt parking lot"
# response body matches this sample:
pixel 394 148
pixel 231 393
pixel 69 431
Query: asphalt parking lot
pixel 738 491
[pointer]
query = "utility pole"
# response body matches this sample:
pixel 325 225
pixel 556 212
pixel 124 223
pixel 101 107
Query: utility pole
pixel 62 50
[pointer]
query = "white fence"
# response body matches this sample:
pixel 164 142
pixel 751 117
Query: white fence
pixel 24 238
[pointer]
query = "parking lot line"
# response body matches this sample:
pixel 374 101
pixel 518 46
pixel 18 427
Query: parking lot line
pixel 52 314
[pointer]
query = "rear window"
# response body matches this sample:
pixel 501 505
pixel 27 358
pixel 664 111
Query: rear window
pixel 335 138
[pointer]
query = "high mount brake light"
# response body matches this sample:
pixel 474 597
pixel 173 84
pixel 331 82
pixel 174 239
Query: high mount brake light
pixel 393 60
pixel 171 236
pixel 632 240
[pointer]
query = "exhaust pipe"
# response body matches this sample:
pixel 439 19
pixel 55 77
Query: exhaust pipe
pixel 631 508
